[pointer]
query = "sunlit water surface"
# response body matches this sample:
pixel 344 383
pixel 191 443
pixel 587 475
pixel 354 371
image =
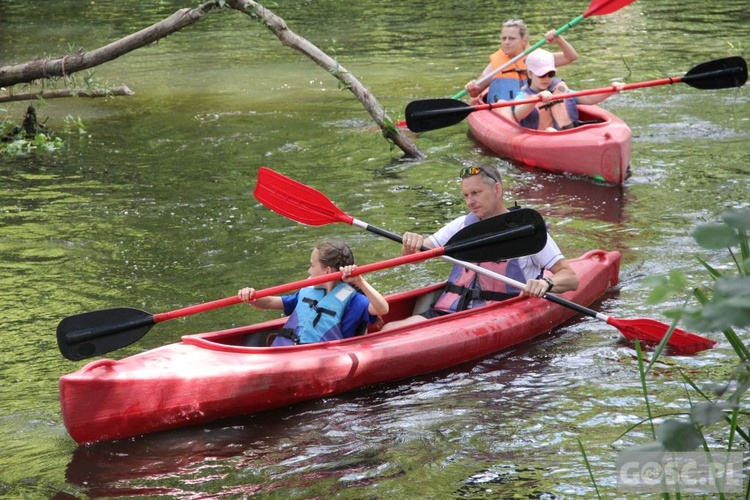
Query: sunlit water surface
pixel 152 208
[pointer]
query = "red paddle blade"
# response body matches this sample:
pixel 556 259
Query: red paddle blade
pixel 296 201
pixel 604 7
pixel 652 332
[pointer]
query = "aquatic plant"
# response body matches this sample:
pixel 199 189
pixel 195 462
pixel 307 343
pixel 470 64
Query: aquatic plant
pixel 722 306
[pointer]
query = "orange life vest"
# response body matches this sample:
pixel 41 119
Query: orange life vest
pixel 506 84
pixel 516 70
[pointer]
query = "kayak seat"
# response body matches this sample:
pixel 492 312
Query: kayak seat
pixel 266 338
pixel 579 123
pixel 260 339
pixel 424 303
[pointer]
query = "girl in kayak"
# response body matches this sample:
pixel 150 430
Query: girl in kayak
pixel 334 310
pixel 547 114
pixel 515 40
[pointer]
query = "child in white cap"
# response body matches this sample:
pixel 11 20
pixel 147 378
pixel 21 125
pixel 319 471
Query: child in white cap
pixel 550 115
pixel 507 83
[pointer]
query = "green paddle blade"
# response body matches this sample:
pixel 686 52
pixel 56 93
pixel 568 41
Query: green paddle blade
pixel 94 333
pixel 513 234
pixel 431 114
pixel 718 74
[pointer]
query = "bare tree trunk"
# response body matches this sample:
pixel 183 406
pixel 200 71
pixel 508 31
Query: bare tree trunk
pixel 50 94
pixel 66 65
pixel 279 28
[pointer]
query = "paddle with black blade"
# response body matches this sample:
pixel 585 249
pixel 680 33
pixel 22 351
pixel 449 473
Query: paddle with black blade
pixel 596 8
pixel 432 114
pixel 306 205
pixel 94 333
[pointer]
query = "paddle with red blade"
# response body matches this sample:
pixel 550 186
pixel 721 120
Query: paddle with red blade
pixel 596 8
pixel 645 330
pixel 432 114
pixel 94 333
pixel 306 205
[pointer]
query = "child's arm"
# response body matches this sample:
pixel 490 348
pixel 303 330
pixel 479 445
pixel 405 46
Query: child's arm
pixel 271 302
pixel 597 98
pixel 378 304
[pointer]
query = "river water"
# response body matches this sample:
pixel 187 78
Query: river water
pixel 152 208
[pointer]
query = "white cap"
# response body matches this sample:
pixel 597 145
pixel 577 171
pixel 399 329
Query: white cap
pixel 540 62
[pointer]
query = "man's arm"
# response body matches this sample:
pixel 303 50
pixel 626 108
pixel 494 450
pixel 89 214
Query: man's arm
pixel 563 279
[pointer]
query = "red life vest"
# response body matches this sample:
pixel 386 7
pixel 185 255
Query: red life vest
pixel 466 289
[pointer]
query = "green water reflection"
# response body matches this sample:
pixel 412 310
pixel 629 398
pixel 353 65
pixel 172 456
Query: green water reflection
pixel 153 209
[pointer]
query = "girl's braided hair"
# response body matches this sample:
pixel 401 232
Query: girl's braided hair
pixel 335 254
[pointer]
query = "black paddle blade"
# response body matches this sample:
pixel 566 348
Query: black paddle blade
pixel 718 74
pixel 95 333
pixel 514 234
pixel 432 114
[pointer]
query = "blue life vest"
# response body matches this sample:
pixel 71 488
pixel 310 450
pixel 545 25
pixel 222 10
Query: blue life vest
pixel 317 317
pixel 504 89
pixel 467 289
pixel 532 120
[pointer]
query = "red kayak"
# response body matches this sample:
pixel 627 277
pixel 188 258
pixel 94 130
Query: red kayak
pixel 599 150
pixel 227 373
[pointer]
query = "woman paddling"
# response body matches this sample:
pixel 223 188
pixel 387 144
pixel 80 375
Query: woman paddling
pixel 335 310
pixel 548 114
pixel 515 40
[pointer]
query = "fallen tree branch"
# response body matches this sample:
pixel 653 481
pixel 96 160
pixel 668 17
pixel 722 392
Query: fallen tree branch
pixel 69 64
pixel 66 65
pixel 279 28
pixel 52 94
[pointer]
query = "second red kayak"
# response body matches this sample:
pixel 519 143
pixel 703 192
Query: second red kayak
pixel 599 150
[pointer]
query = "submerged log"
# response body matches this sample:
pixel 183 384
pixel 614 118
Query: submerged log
pixel 121 90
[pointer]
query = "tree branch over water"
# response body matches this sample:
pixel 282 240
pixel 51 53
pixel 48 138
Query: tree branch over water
pixel 66 65
pixel 63 67
pixel 290 39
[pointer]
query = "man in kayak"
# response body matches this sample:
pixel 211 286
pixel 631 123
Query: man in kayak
pixel 507 83
pixel 335 310
pixel 482 189
pixel 548 114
